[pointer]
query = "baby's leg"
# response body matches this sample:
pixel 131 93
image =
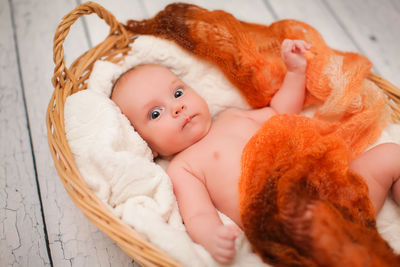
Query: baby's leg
pixel 380 167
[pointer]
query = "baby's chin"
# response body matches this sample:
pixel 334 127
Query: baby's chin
pixel 170 154
pixel 168 158
pixel 196 136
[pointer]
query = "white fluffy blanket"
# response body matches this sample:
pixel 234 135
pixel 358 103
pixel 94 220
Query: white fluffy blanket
pixel 118 165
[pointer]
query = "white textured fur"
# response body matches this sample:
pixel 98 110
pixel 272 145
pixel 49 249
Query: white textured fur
pixel 118 166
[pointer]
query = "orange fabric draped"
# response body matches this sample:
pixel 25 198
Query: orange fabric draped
pixel 299 202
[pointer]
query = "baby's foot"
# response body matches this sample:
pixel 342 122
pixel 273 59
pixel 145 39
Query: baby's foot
pixel 298 222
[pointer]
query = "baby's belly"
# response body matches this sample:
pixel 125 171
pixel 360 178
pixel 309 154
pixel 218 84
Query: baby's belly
pixel 222 162
pixel 222 180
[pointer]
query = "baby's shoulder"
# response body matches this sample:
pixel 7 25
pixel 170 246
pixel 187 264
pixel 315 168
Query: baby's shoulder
pixel 185 163
pixel 258 115
pixel 232 112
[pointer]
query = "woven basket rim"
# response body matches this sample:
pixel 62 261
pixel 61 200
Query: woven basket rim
pixel 67 81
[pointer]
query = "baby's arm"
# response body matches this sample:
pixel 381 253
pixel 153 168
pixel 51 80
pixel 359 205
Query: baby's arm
pixel 290 97
pixel 201 219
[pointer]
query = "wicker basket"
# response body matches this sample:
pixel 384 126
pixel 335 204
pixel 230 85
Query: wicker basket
pixel 68 81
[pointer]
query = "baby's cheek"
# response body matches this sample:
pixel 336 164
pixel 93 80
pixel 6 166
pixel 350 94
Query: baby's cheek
pixel 171 142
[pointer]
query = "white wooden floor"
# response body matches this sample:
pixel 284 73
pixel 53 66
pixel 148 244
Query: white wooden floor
pixel 39 224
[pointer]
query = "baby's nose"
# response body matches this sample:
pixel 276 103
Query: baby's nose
pixel 178 109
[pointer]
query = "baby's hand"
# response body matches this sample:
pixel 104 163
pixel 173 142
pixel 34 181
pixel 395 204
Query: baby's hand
pixel 222 248
pixel 292 52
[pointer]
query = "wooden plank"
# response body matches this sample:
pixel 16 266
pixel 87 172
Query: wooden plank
pixel 251 11
pixel 121 9
pixel 315 13
pixel 374 27
pixel 22 237
pixel 396 5
pixel 73 240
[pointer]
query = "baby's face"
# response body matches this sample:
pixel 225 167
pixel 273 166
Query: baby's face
pixel 166 112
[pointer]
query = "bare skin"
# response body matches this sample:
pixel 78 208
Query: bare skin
pixel 205 165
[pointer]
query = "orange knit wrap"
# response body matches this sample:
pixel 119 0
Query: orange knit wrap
pixel 300 204
pixel 295 185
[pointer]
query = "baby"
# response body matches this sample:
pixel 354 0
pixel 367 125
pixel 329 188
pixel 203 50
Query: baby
pixel 205 167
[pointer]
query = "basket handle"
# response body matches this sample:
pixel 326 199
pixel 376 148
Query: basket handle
pixel 116 28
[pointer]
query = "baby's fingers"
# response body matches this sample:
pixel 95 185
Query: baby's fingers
pixel 226 244
pixel 287 47
pixel 229 232
pixel 223 260
pixel 300 46
pixel 225 256
pixel 225 251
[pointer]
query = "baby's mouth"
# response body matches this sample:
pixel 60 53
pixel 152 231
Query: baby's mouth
pixel 188 120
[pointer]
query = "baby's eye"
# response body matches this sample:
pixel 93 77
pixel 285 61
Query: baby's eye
pixel 178 93
pixel 155 113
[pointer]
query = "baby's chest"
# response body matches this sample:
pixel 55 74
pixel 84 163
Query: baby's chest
pixel 222 155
